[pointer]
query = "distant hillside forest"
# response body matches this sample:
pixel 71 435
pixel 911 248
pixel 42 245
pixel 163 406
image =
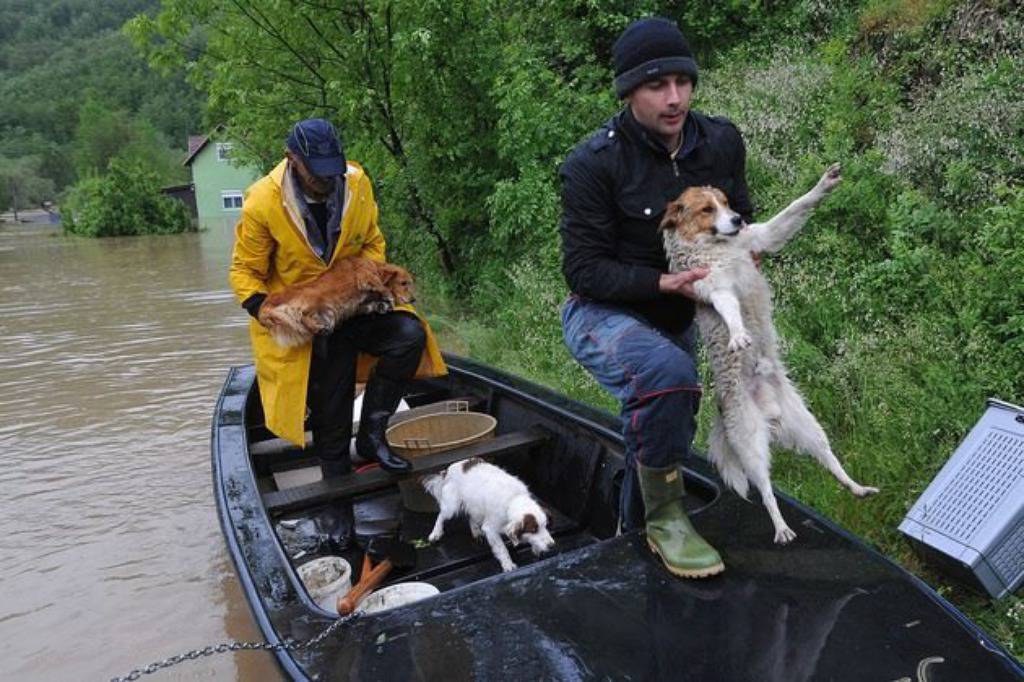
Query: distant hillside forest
pixel 75 94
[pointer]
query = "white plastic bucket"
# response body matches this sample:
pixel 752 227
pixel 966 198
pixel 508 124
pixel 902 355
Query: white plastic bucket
pixel 326 579
pixel 396 595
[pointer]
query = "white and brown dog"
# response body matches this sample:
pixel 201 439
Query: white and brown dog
pixel 497 504
pixel 757 403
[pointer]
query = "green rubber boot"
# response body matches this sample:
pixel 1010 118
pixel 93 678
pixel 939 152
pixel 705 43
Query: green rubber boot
pixel 670 534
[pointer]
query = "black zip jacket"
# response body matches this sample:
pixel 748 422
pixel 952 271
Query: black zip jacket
pixel 615 187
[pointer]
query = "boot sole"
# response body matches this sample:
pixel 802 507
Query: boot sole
pixel 687 573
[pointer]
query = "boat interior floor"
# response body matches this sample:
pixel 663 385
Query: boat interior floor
pixel 458 558
pixel 523 444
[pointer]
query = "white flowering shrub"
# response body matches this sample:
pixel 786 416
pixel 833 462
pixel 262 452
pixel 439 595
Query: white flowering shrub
pixel 775 106
pixel 964 138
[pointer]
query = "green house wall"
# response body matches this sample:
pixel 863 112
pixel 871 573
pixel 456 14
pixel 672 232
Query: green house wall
pixel 211 177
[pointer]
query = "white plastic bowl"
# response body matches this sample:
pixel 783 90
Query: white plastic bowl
pixel 326 579
pixel 396 595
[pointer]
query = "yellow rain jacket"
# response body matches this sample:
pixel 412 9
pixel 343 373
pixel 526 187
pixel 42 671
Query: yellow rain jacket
pixel 272 252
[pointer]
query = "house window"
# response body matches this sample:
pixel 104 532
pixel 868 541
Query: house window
pixel 231 200
pixel 223 151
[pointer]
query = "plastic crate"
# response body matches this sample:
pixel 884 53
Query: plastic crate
pixel 970 520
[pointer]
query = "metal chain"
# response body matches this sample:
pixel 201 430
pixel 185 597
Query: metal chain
pixel 284 645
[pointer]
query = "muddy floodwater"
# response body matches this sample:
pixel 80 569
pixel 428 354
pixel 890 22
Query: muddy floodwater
pixel 112 353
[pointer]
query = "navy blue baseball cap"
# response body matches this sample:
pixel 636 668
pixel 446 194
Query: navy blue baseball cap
pixel 316 141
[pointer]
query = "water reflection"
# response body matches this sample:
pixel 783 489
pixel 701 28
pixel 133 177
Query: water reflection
pixel 110 552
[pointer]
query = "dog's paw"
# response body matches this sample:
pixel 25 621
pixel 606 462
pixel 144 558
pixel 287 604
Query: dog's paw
pixel 784 535
pixel 863 490
pixel 508 566
pixel 739 341
pixel 435 536
pixel 832 177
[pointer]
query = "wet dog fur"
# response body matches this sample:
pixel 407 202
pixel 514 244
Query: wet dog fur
pixel 757 403
pixel 351 286
pixel 497 504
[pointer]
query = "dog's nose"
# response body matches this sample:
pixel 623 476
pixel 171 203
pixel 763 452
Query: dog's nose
pixel 737 221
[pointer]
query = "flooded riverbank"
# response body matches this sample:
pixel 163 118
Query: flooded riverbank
pixel 111 556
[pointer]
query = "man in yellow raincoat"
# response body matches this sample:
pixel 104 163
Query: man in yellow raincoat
pixel 313 208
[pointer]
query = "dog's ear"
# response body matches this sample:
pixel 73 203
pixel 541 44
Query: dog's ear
pixel 513 530
pixel 673 215
pixel 388 272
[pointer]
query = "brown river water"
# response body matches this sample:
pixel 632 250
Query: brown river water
pixel 112 354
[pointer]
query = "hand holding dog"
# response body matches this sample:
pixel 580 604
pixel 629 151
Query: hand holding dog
pixel 262 317
pixel 682 282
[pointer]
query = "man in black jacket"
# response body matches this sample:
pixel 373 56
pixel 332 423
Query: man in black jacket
pixel 628 321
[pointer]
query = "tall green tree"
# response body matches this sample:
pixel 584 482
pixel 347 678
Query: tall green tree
pixel 22 185
pixel 103 134
pixel 432 96
pixel 375 68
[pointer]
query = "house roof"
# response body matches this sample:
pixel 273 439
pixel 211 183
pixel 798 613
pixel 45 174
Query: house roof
pixel 196 144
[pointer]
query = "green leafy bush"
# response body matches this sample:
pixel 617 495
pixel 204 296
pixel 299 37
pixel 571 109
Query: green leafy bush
pixel 125 201
pixel 901 15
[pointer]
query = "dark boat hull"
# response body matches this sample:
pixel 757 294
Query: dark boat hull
pixel 826 607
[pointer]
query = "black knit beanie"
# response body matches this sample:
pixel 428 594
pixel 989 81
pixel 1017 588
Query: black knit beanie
pixel 648 49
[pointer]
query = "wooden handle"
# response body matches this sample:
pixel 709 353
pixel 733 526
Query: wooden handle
pixel 366 584
pixel 367 566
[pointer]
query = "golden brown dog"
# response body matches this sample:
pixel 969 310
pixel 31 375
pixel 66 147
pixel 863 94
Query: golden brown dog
pixel 351 286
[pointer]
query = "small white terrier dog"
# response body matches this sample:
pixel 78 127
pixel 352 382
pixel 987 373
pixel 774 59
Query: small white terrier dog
pixel 496 502
pixel 757 403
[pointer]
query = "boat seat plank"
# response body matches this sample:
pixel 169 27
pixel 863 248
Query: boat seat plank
pixel 275 447
pixel 283 501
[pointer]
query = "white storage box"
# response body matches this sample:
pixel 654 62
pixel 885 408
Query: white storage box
pixel 970 520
